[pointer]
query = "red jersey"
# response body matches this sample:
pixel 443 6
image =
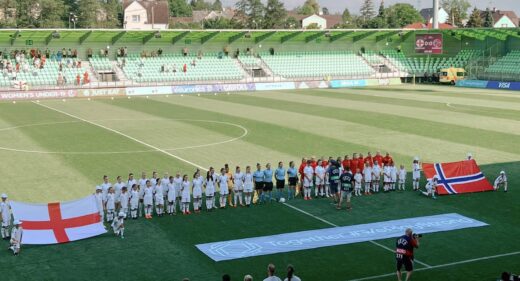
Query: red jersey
pixel 324 163
pixel 379 159
pixel 369 160
pixel 300 170
pixel 346 163
pixel 314 164
pixel 353 165
pixel 361 164
pixel 387 160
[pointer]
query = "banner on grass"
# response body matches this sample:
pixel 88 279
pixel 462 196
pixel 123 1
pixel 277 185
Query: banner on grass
pixel 303 240
pixel 58 222
pixel 457 177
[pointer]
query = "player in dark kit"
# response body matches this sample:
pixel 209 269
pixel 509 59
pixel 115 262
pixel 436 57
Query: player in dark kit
pixel 333 172
pixel 404 253
pixel 346 185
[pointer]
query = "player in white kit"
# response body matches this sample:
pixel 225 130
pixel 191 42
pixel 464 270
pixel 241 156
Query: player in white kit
pixel 110 204
pixel 211 182
pixel 431 187
pixel 142 186
pixel 238 187
pixel 358 182
pixel 319 173
pixel 159 199
pixel 198 182
pixel 416 173
pixel 100 202
pixel 5 212
pixel 164 185
pixel 376 179
pixel 387 177
pixel 177 181
pixel 118 225
pixel 171 197
pixel 308 174
pixel 105 186
pixel 402 178
pixel 367 174
pixel 248 186
pixel 223 186
pixel 134 201
pixel 185 195
pixel 501 180
pixel 118 187
pixel 124 199
pixel 393 175
pixel 148 199
pixel 16 237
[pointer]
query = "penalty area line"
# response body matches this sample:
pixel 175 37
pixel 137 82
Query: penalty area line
pixel 335 225
pixel 124 135
pixel 441 265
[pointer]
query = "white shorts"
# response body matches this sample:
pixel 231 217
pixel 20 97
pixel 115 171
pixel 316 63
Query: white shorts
pixel 402 181
pixel 186 199
pixel 148 200
pixel 197 192
pixel 357 186
pixel 238 188
pixel 319 181
pixel 6 223
pixel 159 200
pixel 416 177
pixel 248 188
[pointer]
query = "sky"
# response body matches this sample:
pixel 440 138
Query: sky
pixel 353 5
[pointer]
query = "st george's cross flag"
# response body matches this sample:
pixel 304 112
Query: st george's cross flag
pixel 58 222
pixel 457 177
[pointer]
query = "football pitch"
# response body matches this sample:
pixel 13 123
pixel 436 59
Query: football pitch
pixel 57 150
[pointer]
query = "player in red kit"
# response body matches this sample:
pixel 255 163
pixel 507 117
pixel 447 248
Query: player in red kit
pixel 387 160
pixel 361 163
pixel 346 162
pixel 378 158
pixel 354 162
pixel 369 159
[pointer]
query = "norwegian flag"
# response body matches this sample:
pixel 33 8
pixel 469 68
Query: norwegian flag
pixel 457 177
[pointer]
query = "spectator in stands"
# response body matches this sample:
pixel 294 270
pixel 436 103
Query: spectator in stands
pixel 248 278
pixel 25 67
pixel 159 52
pixel 199 55
pixel 60 80
pixel 125 51
pixel 271 273
pixel 185 51
pixel 118 52
pixel 78 65
pixel 74 53
pixel 47 53
pixel 185 68
pixel 78 80
pixel 89 53
pixel 194 63
pixel 86 79
pixel 14 76
pixel 226 51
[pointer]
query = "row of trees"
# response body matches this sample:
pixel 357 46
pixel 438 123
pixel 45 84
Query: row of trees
pixel 251 14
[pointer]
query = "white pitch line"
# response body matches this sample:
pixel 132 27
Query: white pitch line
pixel 441 265
pixel 448 104
pixel 124 135
pixel 335 225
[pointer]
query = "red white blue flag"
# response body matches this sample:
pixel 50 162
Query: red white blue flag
pixel 457 177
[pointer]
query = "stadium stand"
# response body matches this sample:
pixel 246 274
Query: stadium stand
pixel 507 64
pixel 317 64
pixel 173 67
pixel 101 63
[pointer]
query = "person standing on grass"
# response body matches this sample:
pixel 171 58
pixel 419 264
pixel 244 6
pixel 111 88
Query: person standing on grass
pixel 134 201
pixel 118 187
pixel 393 175
pixel 402 178
pixel 268 182
pixel 198 182
pixel 303 164
pixel 271 273
pixel 223 185
pixel 279 175
pixel 416 173
pixel 308 175
pixel 404 253
pixel 110 204
pixel 501 180
pixel 238 187
pixel 99 202
pixel 159 199
pixel 334 179
pixel 258 177
pixel 148 199
pixel 123 200
pixel 290 274
pixel 292 174
pixel 105 186
pixel 171 197
pixel 177 182
pixel 358 182
pixel 367 176
pixel 229 184
pixel 5 214
pixel 248 185
pixel 186 195
pixel 131 181
pixel 211 180
pixel 387 177
pixel 164 186
pixel 376 176
pixel 319 171
pixel 142 186
pixel 346 186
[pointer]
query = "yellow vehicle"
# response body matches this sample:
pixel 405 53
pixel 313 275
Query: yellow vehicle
pixel 452 75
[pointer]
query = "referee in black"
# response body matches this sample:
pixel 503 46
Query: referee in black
pixel 404 252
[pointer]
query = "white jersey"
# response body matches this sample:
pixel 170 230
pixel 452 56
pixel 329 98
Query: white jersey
pixel 118 186
pixel 164 186
pixel 111 201
pixel 308 173
pixel 393 173
pixel 134 198
pixel 158 190
pixel 148 196
pixel 367 173
pixel 142 183
pixel 320 175
pixel 99 201
pixel 272 278
pixel 117 224
pixel 5 209
pixel 294 278
pixel 130 183
pixel 500 180
pixel 358 178
pixel 177 181
pixel 158 196
pixel 387 174
pixel 376 171
pixel 248 182
pixel 185 191
pixel 238 181
pixel 123 198
pixel 431 185
pixel 210 185
pixel 172 192
pixel 16 235
pixel 222 181
pixel 416 172
pixel 402 175
pixel 104 188
pixel 197 187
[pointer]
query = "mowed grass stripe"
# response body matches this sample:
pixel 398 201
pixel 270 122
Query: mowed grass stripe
pixel 265 142
pixel 434 92
pixel 434 130
pixel 367 107
pixel 384 139
pixel 374 97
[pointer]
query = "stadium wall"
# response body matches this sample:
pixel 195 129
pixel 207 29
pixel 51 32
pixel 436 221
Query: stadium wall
pixel 483 84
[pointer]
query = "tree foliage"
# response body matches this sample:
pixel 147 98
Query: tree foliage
pixel 250 13
pixel 367 12
pixel 310 7
pixel 488 19
pixel 401 14
pixel 180 8
pixel 275 14
pixel 474 19
pixel 457 10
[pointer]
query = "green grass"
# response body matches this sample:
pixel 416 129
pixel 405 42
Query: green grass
pixel 283 125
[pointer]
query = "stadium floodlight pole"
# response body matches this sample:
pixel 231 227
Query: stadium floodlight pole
pixel 435 14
